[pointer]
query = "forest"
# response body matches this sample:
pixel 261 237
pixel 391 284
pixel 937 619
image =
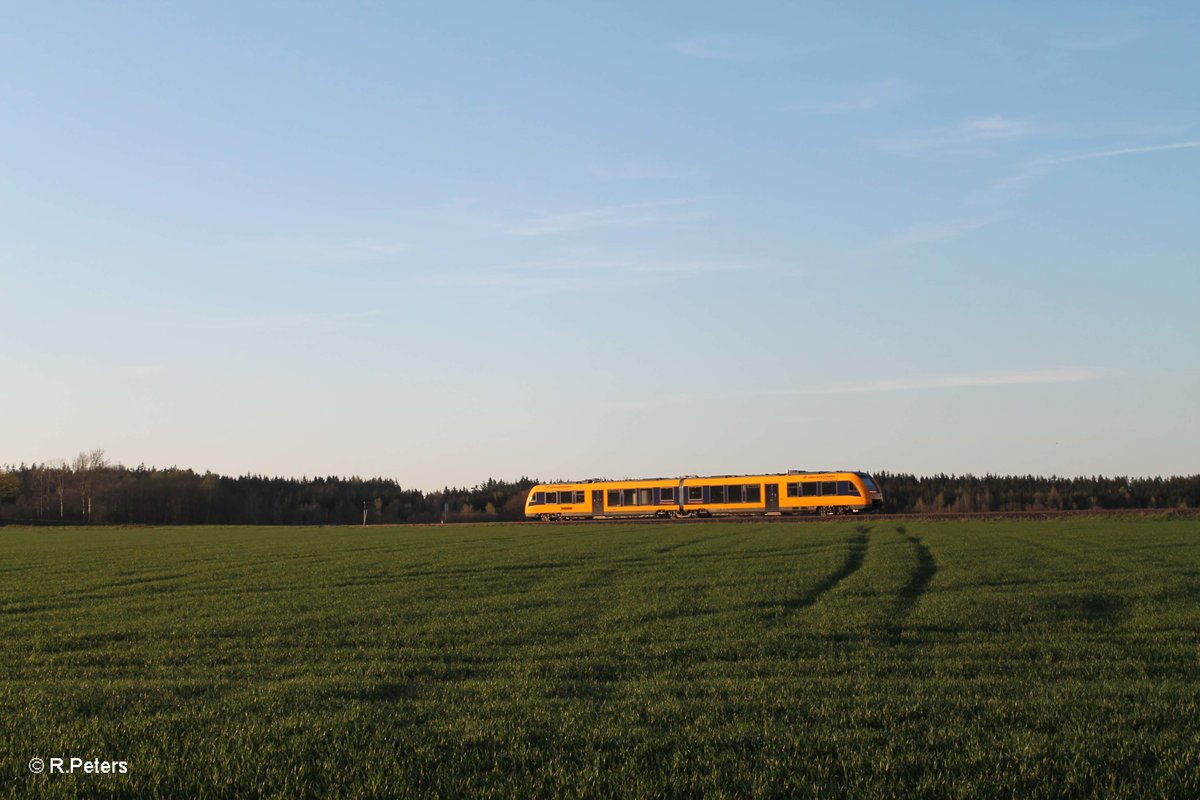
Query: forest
pixel 90 489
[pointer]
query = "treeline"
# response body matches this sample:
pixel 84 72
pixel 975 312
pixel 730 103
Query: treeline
pixel 91 490
pixel 965 494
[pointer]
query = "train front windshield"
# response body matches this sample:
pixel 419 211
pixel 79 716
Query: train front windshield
pixel 869 482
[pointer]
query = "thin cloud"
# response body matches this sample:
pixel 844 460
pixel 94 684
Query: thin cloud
pixel 1101 41
pixel 629 215
pixel 971 136
pixel 685 268
pixel 933 233
pixel 760 49
pixel 1036 169
pixel 632 171
pixel 921 235
pixel 1128 151
pixel 968 380
pixel 862 99
pixel 573 273
pixel 699 47
pixel 316 319
pixel 634 265
pixel 319 250
pixel 557 283
pixel 679 400
pixel 730 47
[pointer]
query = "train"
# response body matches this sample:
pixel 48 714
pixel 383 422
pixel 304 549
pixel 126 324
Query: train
pixel 783 493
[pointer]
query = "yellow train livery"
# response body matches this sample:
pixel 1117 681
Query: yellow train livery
pixel 795 492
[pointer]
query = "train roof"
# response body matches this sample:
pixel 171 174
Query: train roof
pixel 709 477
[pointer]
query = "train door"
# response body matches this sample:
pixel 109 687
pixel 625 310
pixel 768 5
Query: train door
pixel 597 502
pixel 772 497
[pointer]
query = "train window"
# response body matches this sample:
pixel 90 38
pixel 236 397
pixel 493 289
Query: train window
pixel 629 497
pixel 716 494
pixel 614 497
pixel 551 497
pixel 808 489
pixel 539 498
pixel 695 494
pixel 754 494
pixel 793 490
pixel 828 487
pixel 733 494
pixel 668 495
pixel 846 488
pixel 579 497
pixel 645 497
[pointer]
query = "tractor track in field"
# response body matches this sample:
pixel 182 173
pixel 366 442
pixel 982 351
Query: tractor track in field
pixel 673 546
pixel 918 582
pixel 853 563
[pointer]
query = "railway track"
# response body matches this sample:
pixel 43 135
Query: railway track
pixel 1174 513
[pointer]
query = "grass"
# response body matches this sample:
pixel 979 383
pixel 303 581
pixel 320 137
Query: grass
pixel 868 659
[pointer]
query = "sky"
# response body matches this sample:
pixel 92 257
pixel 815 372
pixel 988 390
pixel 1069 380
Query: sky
pixel 452 241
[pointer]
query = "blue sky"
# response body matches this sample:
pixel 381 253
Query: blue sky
pixel 454 241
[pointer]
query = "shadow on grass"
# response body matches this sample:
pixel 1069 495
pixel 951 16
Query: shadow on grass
pixel 918 582
pixel 1097 608
pixel 852 564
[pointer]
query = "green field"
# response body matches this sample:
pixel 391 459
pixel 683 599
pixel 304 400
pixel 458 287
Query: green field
pixel 868 658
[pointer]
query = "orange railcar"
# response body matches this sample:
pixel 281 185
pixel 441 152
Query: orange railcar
pixel 795 492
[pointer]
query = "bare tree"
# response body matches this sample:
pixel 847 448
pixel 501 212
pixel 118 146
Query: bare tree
pixel 58 472
pixel 87 465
